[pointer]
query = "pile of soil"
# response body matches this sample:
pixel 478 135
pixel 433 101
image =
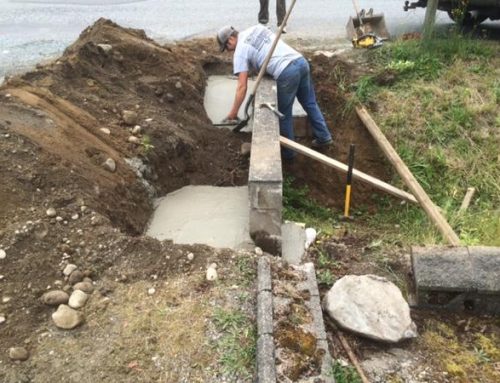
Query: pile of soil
pixel 59 124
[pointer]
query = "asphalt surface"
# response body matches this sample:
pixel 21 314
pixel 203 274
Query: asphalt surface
pixel 35 30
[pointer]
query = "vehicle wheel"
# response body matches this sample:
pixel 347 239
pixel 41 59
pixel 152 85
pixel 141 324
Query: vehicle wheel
pixel 470 19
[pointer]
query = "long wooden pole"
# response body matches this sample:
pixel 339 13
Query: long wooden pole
pixel 431 210
pixel 430 19
pixel 344 168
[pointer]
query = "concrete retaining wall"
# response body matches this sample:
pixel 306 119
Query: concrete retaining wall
pixel 265 179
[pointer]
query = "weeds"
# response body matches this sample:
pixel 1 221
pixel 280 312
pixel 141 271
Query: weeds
pixel 365 89
pixel 146 144
pixel 246 270
pixel 237 344
pixel 299 207
pixel 341 374
pixel 325 277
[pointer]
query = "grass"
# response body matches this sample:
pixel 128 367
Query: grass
pixel 446 132
pixel 246 271
pixel 341 374
pixel 237 345
pixel 299 207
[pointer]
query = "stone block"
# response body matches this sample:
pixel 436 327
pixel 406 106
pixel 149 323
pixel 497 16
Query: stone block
pixel 266 368
pixel 293 238
pixel 486 268
pixel 440 268
pixel 265 313
pixel 264 275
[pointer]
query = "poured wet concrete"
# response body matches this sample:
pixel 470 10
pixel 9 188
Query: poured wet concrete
pixel 219 97
pixel 215 216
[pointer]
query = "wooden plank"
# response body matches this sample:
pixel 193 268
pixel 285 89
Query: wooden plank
pixel 343 167
pixel 430 209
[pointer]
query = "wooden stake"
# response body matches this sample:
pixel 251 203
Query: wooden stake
pixel 343 167
pixel 467 199
pixel 348 350
pixel 431 210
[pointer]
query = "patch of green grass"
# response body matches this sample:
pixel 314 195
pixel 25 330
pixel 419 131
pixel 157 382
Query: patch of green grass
pixel 325 277
pixel 446 132
pixel 427 60
pixel 237 345
pixel 246 270
pixel 365 89
pixel 299 207
pixel 341 374
pixel 146 144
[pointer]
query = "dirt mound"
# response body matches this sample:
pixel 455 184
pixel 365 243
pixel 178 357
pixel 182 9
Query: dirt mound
pixel 63 127
pixel 109 70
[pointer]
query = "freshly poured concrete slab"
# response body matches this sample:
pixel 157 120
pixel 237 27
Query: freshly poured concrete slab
pixel 215 216
pixel 219 98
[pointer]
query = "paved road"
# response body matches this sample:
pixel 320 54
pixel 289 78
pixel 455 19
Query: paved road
pixel 33 30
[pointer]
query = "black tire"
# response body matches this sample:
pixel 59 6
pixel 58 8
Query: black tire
pixel 470 19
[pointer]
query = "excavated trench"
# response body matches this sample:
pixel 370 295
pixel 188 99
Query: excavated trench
pixel 325 184
pixel 173 170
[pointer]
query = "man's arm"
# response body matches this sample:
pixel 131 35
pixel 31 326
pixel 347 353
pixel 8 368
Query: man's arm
pixel 241 91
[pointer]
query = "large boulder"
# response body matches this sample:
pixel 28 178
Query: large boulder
pixel 370 306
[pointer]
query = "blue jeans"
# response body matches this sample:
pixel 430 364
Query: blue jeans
pixel 295 81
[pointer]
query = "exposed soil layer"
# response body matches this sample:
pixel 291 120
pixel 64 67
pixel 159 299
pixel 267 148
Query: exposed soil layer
pixel 59 125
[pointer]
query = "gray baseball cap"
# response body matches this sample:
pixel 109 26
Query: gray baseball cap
pixel 223 35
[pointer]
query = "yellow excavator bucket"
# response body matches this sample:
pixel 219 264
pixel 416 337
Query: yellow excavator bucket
pixel 367 23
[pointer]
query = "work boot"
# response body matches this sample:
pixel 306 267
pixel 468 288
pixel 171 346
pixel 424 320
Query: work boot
pixel 318 144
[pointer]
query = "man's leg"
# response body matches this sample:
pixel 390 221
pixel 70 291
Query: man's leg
pixel 280 10
pixel 287 83
pixel 307 99
pixel 264 12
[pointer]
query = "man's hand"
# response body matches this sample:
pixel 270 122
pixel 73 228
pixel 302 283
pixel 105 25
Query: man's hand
pixel 230 119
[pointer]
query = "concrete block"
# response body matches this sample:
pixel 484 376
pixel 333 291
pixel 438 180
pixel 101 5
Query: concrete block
pixel 266 195
pixel 264 275
pixel 314 305
pixel 265 313
pixel 458 278
pixel 266 368
pixel 293 237
pixel 440 268
pixel 312 283
pixel 326 362
pixel 486 268
pixel 265 179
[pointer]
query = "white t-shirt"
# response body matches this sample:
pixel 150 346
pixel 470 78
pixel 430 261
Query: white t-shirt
pixel 252 48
